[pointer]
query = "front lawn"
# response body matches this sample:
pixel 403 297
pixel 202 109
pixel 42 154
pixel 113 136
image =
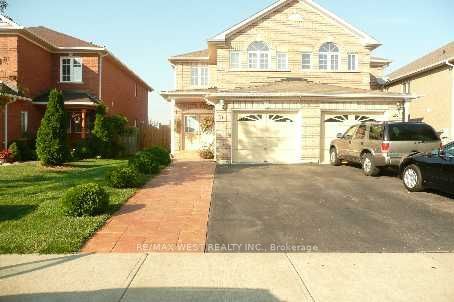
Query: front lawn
pixel 31 216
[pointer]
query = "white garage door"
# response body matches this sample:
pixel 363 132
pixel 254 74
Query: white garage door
pixel 339 123
pixel 266 138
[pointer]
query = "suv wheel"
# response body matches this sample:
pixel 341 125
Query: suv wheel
pixel 412 178
pixel 368 164
pixel 333 158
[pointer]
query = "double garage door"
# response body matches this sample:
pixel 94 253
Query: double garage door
pixel 266 137
pixel 275 137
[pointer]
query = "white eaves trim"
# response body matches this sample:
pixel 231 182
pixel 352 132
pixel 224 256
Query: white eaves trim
pixel 71 103
pixel 419 70
pixel 293 94
pixel 367 40
pixel 8 23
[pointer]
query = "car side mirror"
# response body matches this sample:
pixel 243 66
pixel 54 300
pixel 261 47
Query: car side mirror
pixel 441 153
pixel 340 135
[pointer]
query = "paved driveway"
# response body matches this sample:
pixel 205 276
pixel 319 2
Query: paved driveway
pixel 329 209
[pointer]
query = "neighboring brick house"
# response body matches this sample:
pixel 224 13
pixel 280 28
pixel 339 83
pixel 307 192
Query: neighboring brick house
pixel 280 86
pixel 432 78
pixel 34 60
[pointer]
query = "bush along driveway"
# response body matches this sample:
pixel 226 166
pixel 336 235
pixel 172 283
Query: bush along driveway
pixel 32 218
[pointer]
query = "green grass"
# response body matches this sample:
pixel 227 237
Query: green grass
pixel 31 213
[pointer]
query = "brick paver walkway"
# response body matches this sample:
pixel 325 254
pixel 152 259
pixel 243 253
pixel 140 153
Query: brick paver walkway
pixel 169 214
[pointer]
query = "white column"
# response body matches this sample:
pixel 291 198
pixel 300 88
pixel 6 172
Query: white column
pixel 6 126
pixel 452 106
pixel 406 110
pixel 172 128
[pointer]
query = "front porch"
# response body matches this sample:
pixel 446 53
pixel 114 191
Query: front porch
pixel 80 107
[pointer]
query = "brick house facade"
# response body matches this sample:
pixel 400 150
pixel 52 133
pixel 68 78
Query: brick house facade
pixel 34 60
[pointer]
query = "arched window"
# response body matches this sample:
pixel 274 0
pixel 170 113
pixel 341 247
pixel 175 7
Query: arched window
pixel 328 57
pixel 258 55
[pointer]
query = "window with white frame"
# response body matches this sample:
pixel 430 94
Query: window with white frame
pixel 328 57
pixel 352 62
pixel 282 61
pixel 235 62
pixel 306 60
pixel 191 124
pixel 258 55
pixel 199 76
pixel 24 121
pixel 406 87
pixel 71 69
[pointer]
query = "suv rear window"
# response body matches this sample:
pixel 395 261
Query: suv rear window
pixel 376 132
pixel 411 132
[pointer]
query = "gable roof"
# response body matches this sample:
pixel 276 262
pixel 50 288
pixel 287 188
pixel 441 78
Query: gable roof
pixel 55 41
pixel 58 39
pixel 367 40
pixel 432 60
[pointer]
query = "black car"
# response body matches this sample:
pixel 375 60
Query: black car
pixel 430 171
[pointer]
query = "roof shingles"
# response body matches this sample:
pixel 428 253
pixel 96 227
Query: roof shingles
pixel 442 54
pixel 58 39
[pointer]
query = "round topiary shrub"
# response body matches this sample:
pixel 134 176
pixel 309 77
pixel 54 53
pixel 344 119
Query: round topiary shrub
pixel 145 163
pixel 85 200
pixel 161 154
pixel 123 177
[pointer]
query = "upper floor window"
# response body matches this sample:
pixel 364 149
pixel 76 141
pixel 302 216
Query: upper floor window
pixel 282 61
pixel 235 62
pixel 329 57
pixel 199 76
pixel 306 60
pixel 406 88
pixel 258 56
pixel 71 69
pixel 352 62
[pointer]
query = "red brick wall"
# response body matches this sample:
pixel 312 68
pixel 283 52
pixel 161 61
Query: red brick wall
pixel 8 58
pixel 118 92
pixel 34 68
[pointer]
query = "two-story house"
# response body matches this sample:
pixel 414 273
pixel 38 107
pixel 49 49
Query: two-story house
pixel 35 60
pixel 432 78
pixel 280 86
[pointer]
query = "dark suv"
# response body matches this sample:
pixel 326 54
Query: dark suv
pixel 381 144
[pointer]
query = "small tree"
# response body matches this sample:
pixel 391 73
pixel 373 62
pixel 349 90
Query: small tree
pixel 100 130
pixel 51 145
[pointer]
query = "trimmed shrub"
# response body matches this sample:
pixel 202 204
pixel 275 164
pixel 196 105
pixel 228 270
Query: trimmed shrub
pixel 145 162
pixel 85 200
pixel 161 154
pixel 51 145
pixel 123 177
pixel 106 133
pixel 15 152
pixel 83 149
pixel 23 149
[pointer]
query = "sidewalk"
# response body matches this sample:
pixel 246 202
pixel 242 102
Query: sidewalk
pixel 228 277
pixel 171 210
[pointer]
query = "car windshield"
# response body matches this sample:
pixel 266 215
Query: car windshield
pixel 411 132
pixel 449 150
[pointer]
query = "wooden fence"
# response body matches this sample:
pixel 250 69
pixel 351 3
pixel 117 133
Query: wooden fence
pixel 154 135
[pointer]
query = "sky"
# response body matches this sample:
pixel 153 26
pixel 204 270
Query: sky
pixel 144 34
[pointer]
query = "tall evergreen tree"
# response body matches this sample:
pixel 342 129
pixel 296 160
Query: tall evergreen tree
pixel 51 141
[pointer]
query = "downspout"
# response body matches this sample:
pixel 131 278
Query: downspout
pixel 452 98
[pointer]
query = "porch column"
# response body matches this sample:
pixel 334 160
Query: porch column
pixel 406 110
pixel 6 126
pixel 172 128
pixel 84 114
